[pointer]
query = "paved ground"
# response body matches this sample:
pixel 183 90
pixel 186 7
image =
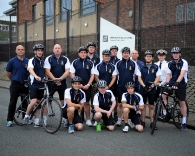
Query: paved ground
pixel 191 119
pixel 30 141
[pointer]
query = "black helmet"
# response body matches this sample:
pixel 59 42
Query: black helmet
pixel 102 83
pixel 161 52
pixel 106 52
pixel 90 44
pixel 114 47
pixel 125 49
pixel 176 50
pixel 82 48
pixel 76 79
pixel 38 46
pixel 130 84
pixel 148 52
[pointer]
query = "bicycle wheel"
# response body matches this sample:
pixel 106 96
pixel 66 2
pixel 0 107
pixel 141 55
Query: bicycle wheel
pixel 21 107
pixel 177 115
pixel 51 115
pixel 156 115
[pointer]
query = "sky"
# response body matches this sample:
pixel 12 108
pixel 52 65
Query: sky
pixel 4 5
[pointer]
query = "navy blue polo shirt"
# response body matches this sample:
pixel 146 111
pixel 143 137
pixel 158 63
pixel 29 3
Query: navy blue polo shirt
pixel 82 68
pixel 57 67
pixel 18 69
pixel 114 60
pixel 175 70
pixel 95 59
pixel 104 100
pixel 149 75
pixel 76 98
pixel 132 99
pixel 38 67
pixel 140 64
pixel 126 71
pixel 105 71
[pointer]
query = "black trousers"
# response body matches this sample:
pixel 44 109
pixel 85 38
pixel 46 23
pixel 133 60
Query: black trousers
pixel 15 89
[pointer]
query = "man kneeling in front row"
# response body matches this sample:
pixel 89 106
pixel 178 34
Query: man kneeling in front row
pixel 73 105
pixel 132 103
pixel 104 103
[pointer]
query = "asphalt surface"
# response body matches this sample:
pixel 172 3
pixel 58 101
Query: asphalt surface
pixel 30 141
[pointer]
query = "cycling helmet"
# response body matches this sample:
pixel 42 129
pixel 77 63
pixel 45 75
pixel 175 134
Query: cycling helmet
pixel 102 83
pixel 114 47
pixel 125 49
pixel 161 52
pixel 82 48
pixel 148 52
pixel 90 44
pixel 106 52
pixel 38 46
pixel 176 50
pixel 76 79
pixel 130 84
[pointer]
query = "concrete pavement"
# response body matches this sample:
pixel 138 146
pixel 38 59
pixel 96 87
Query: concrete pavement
pixel 191 119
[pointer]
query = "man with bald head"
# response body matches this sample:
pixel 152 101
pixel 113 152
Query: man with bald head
pixel 134 57
pixel 17 72
pixel 57 67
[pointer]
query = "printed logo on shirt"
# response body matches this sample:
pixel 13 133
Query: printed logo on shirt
pixel 152 70
pixel 87 67
pixel 78 99
pixel 62 62
pixel 178 67
pixel 25 65
pixel 108 100
pixel 94 61
pixel 130 68
pixel 134 103
pixel 110 70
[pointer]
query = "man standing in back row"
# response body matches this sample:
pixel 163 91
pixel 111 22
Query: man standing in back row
pixel 17 72
pixel 57 67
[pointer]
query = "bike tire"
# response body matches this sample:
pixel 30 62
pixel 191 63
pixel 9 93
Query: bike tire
pixel 177 116
pixel 20 111
pixel 155 116
pixel 53 113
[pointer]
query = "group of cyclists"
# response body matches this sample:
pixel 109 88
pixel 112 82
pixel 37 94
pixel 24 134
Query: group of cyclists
pixel 119 88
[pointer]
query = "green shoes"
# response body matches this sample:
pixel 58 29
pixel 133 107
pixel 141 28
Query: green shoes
pixel 98 127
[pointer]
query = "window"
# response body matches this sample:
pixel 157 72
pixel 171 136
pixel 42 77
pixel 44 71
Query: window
pixel 13 29
pixel 190 11
pixel 7 28
pixel 65 5
pixel 179 13
pixel 34 12
pixel 87 7
pixel 49 12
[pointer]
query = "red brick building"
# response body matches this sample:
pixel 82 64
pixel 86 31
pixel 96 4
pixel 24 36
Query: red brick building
pixel 163 23
pixel 156 23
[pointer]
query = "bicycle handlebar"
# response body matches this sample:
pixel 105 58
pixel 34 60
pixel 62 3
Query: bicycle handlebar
pixel 162 86
pixel 47 80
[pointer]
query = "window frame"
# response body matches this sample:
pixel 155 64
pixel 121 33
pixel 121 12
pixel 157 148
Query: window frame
pixel 192 11
pixel 34 12
pixel 64 12
pixel 49 17
pixel 181 13
pixel 84 11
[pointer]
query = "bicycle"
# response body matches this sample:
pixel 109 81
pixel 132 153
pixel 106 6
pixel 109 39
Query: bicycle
pixel 173 109
pixel 50 107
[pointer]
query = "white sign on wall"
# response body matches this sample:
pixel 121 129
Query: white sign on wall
pixel 111 34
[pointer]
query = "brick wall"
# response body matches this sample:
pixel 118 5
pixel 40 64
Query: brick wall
pixel 159 26
pixel 25 9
